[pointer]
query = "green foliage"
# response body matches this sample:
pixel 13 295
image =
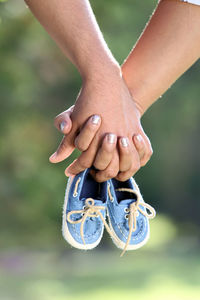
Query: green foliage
pixel 95 275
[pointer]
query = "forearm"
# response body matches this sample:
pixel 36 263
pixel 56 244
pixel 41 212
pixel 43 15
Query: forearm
pixel 169 45
pixel 73 26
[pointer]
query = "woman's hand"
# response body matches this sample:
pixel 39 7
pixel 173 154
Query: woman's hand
pixel 120 118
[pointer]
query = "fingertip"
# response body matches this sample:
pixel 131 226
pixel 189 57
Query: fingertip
pixel 67 171
pixel 68 174
pixel 124 142
pixel 95 120
pixel 138 139
pixel 52 157
pixel 111 138
pixel 98 178
pixel 65 126
pixel 121 178
pixel 63 122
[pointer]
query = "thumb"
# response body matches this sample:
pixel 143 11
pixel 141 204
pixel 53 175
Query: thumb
pixel 63 121
pixel 64 150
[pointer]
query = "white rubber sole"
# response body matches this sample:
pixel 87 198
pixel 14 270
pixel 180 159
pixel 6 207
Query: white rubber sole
pixel 120 244
pixel 65 231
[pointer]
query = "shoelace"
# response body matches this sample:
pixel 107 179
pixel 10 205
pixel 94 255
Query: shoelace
pixel 132 214
pixel 90 210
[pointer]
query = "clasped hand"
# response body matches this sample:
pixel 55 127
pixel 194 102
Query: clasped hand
pixel 104 124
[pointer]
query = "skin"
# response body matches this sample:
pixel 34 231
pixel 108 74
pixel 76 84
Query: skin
pixel 104 92
pixel 169 45
pixel 106 150
pixel 129 122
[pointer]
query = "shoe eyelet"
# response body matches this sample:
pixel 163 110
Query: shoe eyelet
pixel 75 194
pixel 126 210
pixel 126 216
pixel 84 207
pixel 82 214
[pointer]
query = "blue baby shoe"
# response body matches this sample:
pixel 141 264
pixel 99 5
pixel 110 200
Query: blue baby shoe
pixel 84 211
pixel 128 215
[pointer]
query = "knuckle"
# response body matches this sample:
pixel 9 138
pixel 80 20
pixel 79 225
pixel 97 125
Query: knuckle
pixel 107 148
pixel 99 179
pixel 143 162
pixel 92 127
pixel 135 167
pixel 123 177
pixel 111 173
pixel 80 145
pixel 150 152
pixel 149 148
pixel 100 176
pixel 107 153
pixel 125 150
pixel 145 159
pixel 99 166
pixel 84 164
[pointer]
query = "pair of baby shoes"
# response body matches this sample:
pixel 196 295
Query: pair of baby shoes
pixel 88 203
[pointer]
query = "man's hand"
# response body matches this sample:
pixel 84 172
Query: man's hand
pixel 120 117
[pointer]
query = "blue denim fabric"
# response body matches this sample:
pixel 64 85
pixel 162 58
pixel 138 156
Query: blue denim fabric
pixel 117 215
pixel 93 226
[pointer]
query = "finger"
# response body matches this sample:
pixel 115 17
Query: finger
pixel 105 153
pixel 125 155
pixel 64 150
pixel 134 166
pixel 87 133
pixel 63 121
pixel 144 149
pixel 110 172
pixel 139 145
pixel 84 161
pixel 78 165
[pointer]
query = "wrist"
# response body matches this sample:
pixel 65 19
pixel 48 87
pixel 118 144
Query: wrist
pixel 106 70
pixel 138 102
pixel 142 93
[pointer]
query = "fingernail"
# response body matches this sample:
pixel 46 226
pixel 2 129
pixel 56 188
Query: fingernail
pixel 63 124
pixel 52 156
pixel 68 174
pixel 124 142
pixel 139 138
pixel 111 138
pixel 95 119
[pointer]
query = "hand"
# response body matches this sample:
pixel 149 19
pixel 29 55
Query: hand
pixel 104 155
pixel 122 108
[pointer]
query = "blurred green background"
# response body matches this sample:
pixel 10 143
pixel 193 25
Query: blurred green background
pixel 37 83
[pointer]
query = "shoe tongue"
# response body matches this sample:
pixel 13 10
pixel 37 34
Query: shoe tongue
pixel 126 202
